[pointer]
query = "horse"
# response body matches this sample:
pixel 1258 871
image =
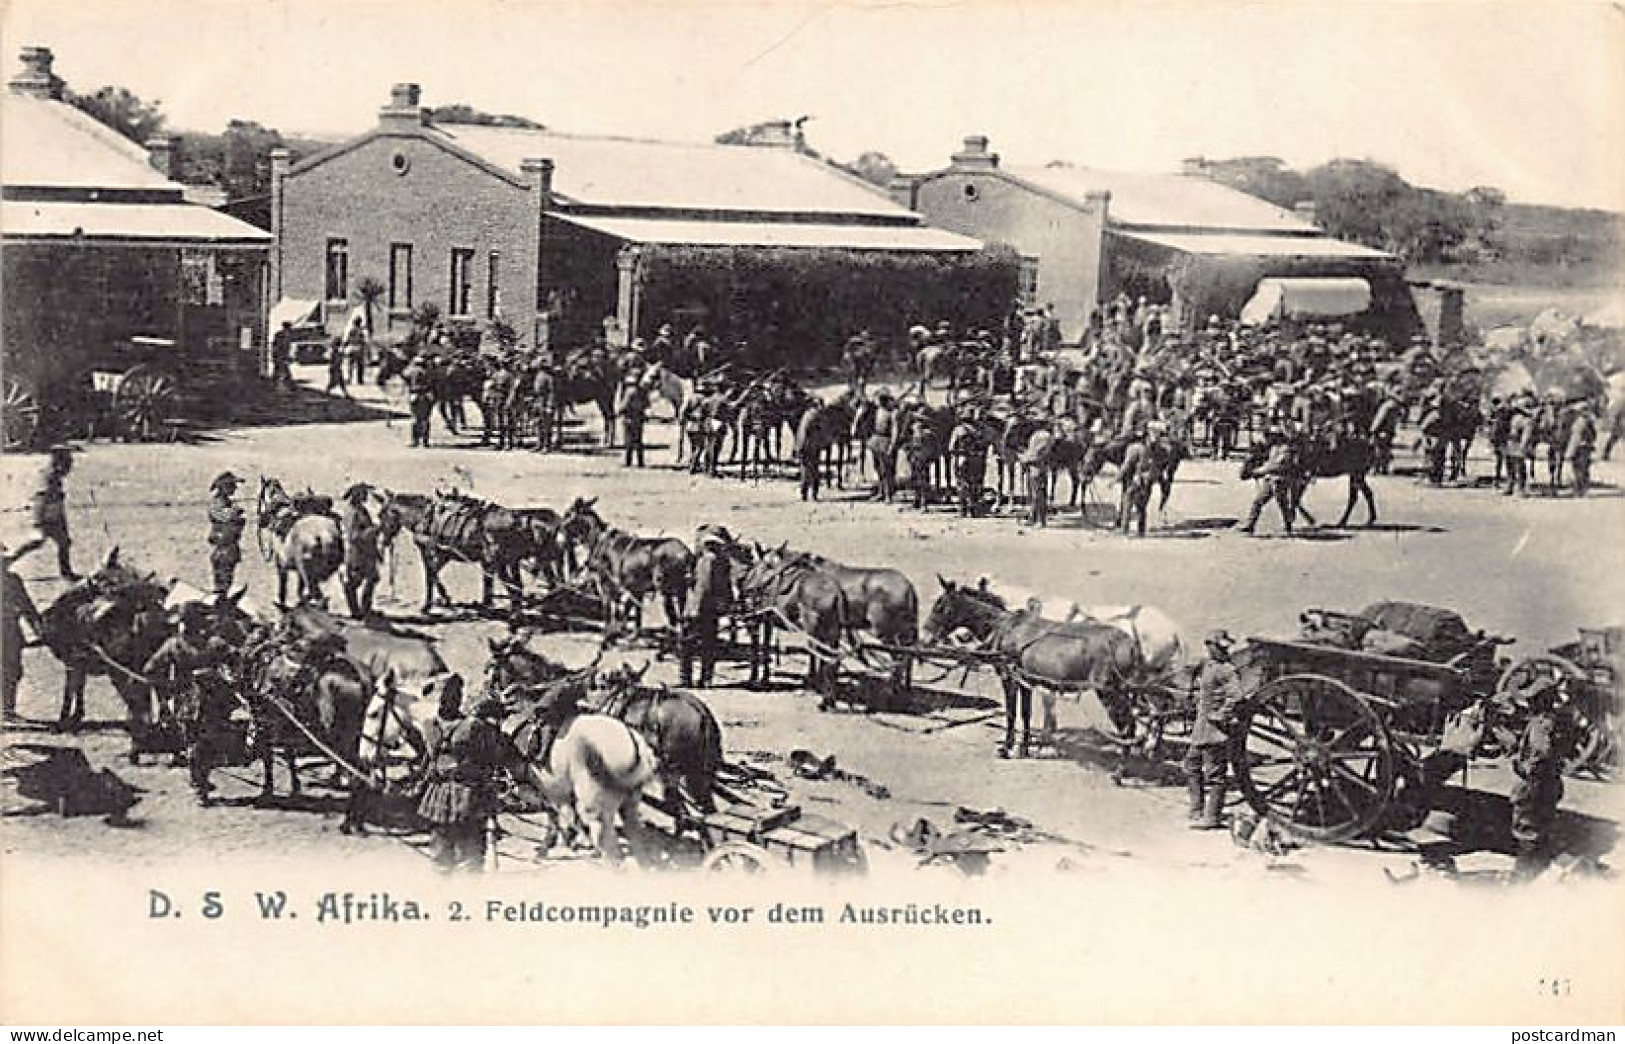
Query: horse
pixel 301 536
pixel 883 602
pixel 1166 454
pixel 822 437
pixel 659 379
pixel 108 625
pixel 628 568
pixel 586 377
pixel 1040 652
pixel 494 538
pixel 791 587
pixel 595 771
pixel 680 728
pixel 1348 453
pixel 302 701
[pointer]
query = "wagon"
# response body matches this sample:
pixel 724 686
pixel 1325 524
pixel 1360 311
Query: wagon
pixel 749 839
pixel 1330 743
pixel 1594 669
pixel 134 391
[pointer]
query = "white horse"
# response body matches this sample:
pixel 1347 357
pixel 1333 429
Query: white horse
pixel 1158 635
pixel 675 389
pixel 596 771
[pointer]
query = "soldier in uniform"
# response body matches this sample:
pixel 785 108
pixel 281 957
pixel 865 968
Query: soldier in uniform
pixel 708 599
pixel 15 609
pixel 1035 463
pixel 186 676
pixel 281 353
pixel 968 445
pixel 226 522
pixel 1582 443
pixel 1218 694
pixel 1277 479
pixel 494 405
pixel 355 351
pixel 50 512
pixel 1134 482
pixel 466 758
pixel 920 446
pixel 1543 747
pixel 634 411
pixel 1530 432
pixel 882 448
pixel 419 375
pixel 361 551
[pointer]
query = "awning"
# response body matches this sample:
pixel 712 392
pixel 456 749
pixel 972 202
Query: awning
pixel 774 234
pixel 144 224
pixel 297 312
pixel 1283 297
pixel 1230 244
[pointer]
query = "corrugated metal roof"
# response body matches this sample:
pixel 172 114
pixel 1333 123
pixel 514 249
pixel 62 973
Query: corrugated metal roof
pixel 775 234
pixel 168 222
pixel 1166 200
pixel 1257 246
pixel 638 173
pixel 50 143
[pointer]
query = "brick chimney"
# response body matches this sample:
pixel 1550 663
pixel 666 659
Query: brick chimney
pixel 538 172
pixel 403 113
pixel 974 155
pixel 36 79
pixel 279 177
pixel 161 154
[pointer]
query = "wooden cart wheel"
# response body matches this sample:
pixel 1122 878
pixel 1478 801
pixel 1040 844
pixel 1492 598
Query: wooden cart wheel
pixel 737 857
pixel 1593 737
pixel 144 399
pixel 1313 757
pixel 22 417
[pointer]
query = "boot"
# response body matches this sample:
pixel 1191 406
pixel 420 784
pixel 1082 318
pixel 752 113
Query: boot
pixel 1212 805
pixel 1193 789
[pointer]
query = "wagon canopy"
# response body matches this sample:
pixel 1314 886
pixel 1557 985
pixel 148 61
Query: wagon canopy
pixel 1305 296
pixel 1442 633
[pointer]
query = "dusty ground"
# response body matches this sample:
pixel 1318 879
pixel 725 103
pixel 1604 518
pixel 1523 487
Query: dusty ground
pixel 1535 569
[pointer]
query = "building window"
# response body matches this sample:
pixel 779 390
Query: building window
pixel 493 295
pixel 462 282
pixel 1029 281
pixel 338 270
pixel 400 276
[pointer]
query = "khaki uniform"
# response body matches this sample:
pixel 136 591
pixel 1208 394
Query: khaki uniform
pixel 708 599
pixel 226 523
pixel 1207 759
pixel 462 793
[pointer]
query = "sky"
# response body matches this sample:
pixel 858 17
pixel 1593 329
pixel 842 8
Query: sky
pixel 1528 97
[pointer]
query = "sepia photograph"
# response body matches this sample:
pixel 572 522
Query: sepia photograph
pixel 752 512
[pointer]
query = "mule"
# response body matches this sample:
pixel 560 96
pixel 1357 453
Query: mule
pixel 1350 454
pixel 585 377
pixel 322 688
pixel 779 585
pixel 883 602
pixel 1041 653
pixel 627 568
pixel 489 536
pixel 302 537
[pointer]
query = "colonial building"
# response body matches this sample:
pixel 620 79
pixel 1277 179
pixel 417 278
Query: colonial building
pixel 1086 235
pixel 553 233
pixel 102 250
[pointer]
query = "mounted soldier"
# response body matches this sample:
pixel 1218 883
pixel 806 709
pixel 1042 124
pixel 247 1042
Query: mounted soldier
pixel 226 524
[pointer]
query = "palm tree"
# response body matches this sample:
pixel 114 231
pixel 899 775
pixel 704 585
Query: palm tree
pixel 369 292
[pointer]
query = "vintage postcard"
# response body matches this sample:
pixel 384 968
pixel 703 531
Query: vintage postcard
pixel 758 512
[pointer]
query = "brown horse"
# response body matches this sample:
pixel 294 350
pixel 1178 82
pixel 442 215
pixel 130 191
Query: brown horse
pixel 881 601
pixel 628 568
pixel 495 539
pixel 582 377
pixel 1040 652
pixel 791 588
pixel 314 682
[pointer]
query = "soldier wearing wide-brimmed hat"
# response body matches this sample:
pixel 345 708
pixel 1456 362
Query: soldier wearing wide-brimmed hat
pixel 226 524
pixel 709 598
pixel 50 510
pixel 16 608
pixel 1218 695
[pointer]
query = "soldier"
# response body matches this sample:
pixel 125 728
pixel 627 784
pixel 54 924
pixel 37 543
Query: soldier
pixel 968 445
pixel 1582 443
pixel 335 369
pixel 1134 482
pixel 634 411
pixel 882 448
pixel 186 677
pixel 361 551
pixel 1277 478
pixel 809 453
pixel 1543 747
pixel 15 608
pixel 226 522
pixel 494 404
pixel 1528 445
pixel 50 512
pixel 1433 440
pixel 281 353
pixel 921 449
pixel 419 375
pixel 465 763
pixel 1500 434
pixel 1141 412
pixel 355 350
pixel 709 598
pixel 1218 694
pixel 1035 463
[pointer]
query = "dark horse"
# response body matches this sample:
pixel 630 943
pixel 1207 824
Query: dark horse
pixel 680 728
pixel 1348 453
pixel 496 539
pixel 1040 652
pixel 588 376
pixel 883 602
pixel 628 568
pixel 792 589
pixel 1165 454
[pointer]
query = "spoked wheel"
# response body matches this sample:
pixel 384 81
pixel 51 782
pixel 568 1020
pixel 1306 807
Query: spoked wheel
pixel 144 399
pixel 1593 726
pixel 22 416
pixel 1312 756
pixel 737 857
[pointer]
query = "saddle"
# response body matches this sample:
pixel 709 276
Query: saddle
pixel 455 520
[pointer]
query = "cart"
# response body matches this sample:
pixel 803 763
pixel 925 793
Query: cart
pixel 1592 670
pixel 135 394
pixel 1330 743
pixel 752 840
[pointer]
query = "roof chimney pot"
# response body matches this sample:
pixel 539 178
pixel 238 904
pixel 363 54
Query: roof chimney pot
pixel 36 80
pixel 403 113
pixel 975 155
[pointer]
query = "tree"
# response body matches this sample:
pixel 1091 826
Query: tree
pixel 873 167
pixel 460 112
pixel 1266 177
pixel 121 110
pixel 369 292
